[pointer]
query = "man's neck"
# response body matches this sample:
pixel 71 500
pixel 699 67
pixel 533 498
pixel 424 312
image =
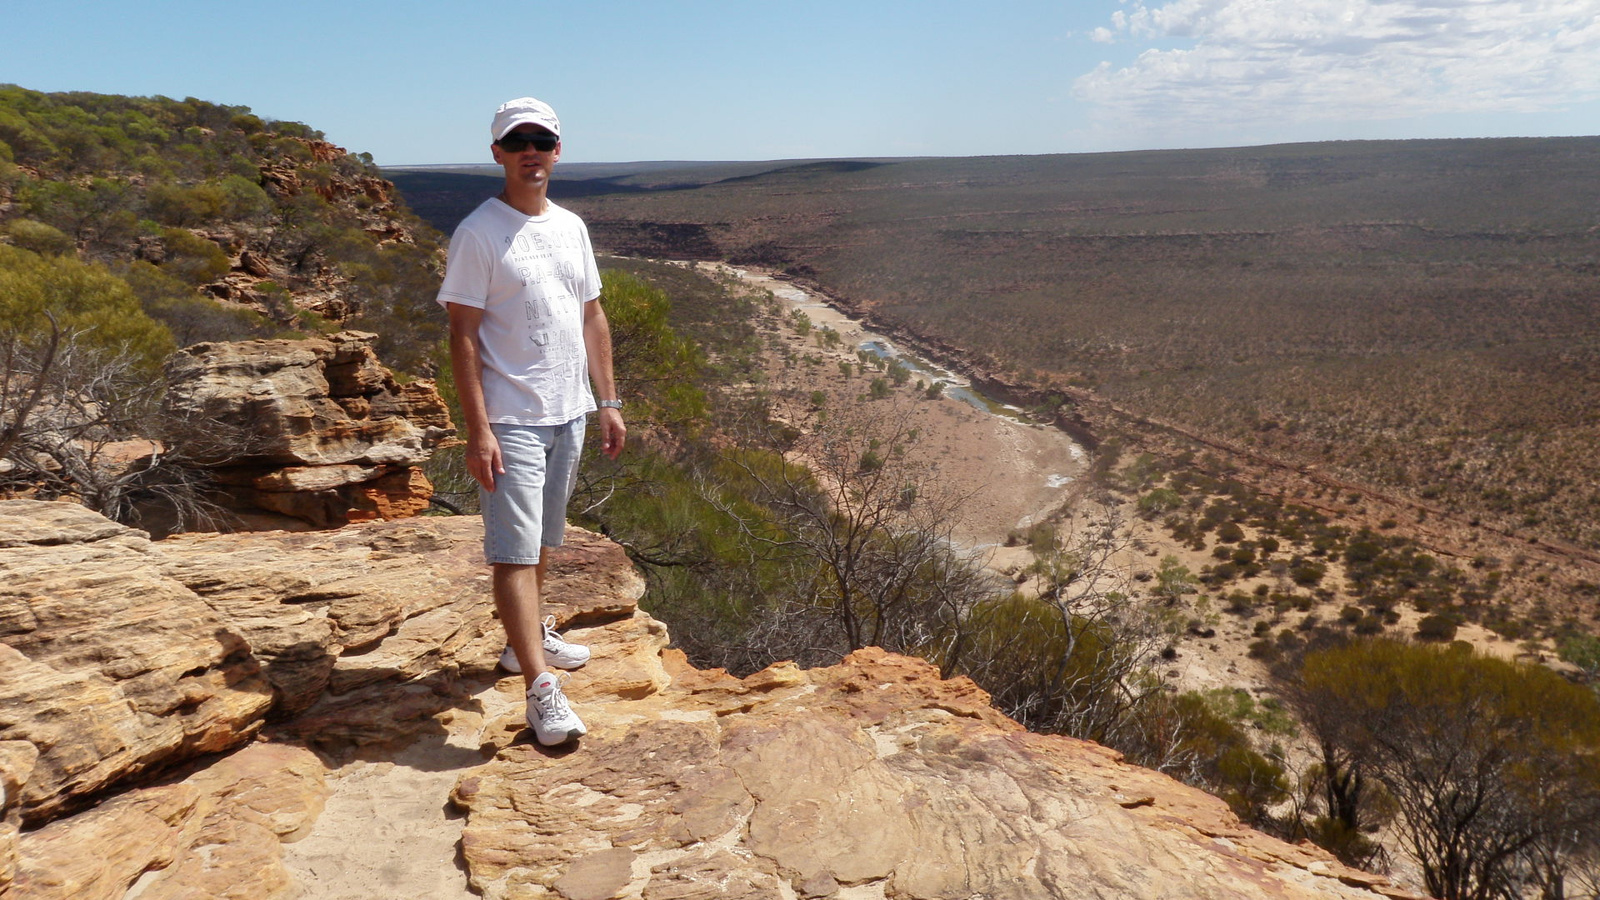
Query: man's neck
pixel 528 201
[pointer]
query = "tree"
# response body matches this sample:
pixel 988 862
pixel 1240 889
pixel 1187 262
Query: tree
pixel 1200 739
pixel 83 299
pixel 1583 652
pixel 1075 659
pixel 87 426
pixel 1494 766
pixel 868 528
pixel 1174 580
pixel 78 415
pixel 656 363
pixel 45 240
pixel 191 316
pixel 899 373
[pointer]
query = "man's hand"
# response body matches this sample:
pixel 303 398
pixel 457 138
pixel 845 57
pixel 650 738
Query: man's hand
pixel 612 432
pixel 483 458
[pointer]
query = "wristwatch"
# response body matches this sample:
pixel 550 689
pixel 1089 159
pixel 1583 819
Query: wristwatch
pixel 610 404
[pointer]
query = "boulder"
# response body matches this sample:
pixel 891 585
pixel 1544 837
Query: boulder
pixel 315 430
pixel 108 667
pixel 216 834
pixel 16 764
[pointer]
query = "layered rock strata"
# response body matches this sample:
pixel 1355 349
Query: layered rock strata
pixel 310 433
pixel 312 657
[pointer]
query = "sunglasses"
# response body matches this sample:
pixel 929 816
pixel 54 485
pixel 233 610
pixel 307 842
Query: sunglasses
pixel 516 142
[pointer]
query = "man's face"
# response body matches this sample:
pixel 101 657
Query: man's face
pixel 522 160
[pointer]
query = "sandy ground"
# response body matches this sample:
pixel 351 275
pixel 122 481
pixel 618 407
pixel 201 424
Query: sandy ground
pixel 388 824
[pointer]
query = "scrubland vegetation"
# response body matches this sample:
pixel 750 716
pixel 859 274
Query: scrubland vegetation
pixel 765 540
pixel 213 217
pixel 132 226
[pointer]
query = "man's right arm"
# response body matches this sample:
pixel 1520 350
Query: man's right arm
pixel 466 364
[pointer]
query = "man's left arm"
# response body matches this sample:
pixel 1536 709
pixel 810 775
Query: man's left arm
pixel 597 341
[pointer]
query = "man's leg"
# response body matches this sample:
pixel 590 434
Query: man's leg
pixel 518 524
pixel 517 590
pixel 518 597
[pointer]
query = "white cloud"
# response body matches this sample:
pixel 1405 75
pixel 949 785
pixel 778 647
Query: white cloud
pixel 1216 65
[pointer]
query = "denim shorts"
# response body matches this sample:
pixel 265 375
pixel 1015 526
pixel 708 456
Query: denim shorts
pixel 527 509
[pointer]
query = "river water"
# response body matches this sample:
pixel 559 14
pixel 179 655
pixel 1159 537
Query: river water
pixel 955 386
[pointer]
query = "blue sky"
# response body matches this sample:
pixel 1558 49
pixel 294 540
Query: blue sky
pixel 415 83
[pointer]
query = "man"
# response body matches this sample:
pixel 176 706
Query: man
pixel 527 338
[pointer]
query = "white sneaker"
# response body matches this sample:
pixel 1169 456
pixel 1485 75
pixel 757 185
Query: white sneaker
pixel 552 719
pixel 557 652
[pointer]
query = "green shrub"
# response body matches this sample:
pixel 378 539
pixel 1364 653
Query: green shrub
pixel 1437 628
pixel 192 258
pixel 1159 502
pixel 85 299
pixel 898 373
pixel 1369 625
pixel 1583 651
pixel 191 317
pixel 1265 650
pixel 1307 574
pixel 46 240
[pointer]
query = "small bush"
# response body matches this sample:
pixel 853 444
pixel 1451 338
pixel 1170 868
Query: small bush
pixel 1437 628
pixel 1159 502
pixel 45 240
pixel 1265 650
pixel 1369 624
pixel 1308 574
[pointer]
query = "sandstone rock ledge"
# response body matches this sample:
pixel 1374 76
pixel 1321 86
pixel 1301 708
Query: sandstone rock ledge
pixel 172 713
pixel 310 431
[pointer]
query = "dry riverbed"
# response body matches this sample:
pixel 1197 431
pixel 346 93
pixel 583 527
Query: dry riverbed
pixel 1012 472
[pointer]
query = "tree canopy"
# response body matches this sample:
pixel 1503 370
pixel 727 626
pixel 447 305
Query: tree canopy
pixel 1494 765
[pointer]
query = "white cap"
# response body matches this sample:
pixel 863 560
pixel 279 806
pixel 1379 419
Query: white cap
pixel 521 111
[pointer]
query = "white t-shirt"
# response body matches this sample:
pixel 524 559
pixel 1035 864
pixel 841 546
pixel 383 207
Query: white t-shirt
pixel 531 277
